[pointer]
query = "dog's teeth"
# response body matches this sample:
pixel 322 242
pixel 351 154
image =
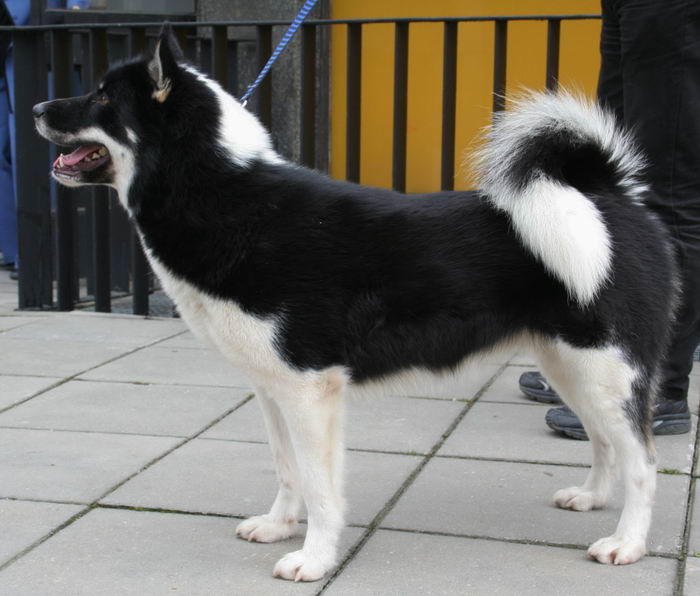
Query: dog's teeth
pixel 102 151
pixel 60 160
pixel 95 155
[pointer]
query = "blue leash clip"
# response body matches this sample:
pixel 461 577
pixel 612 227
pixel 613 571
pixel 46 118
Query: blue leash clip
pixel 308 5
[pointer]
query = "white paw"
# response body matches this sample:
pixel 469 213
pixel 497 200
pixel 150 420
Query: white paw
pixel 262 529
pixel 301 567
pixel 618 551
pixel 578 499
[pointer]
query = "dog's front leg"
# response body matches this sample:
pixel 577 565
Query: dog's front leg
pixel 314 419
pixel 281 522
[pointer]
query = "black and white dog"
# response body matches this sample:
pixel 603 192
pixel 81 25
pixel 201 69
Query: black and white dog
pixel 313 286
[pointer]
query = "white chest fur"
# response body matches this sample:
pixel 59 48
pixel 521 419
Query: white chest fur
pixel 245 340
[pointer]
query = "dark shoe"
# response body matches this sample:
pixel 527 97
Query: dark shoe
pixel 670 417
pixel 566 423
pixel 535 386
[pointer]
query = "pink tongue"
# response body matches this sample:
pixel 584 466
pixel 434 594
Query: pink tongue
pixel 73 158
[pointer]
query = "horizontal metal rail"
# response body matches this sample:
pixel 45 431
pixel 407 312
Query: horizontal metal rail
pixel 179 24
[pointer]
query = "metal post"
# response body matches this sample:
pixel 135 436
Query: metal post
pixel 354 95
pixel 308 95
pixel 398 170
pixel 61 65
pixel 264 91
pixel 33 206
pixel 100 222
pixel 219 58
pixel 499 64
pixel 553 31
pixel 449 101
pixel 139 264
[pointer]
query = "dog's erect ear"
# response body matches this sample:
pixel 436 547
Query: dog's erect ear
pixel 163 65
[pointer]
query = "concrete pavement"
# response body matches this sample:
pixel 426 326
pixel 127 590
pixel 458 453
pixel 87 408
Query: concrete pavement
pixel 128 454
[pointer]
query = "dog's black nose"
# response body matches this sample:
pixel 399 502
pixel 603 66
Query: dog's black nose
pixel 40 109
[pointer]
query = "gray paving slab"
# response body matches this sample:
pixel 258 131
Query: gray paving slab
pixel 13 321
pixel 691 585
pixel 238 479
pixel 463 385
pixel 171 366
pixel 694 537
pixel 507 500
pixel 381 424
pixel 124 407
pixel 25 522
pixel 15 389
pixel 112 330
pixel 399 564
pixel 118 553
pixel 524 358
pixel 35 357
pixel 185 340
pixel 694 393
pixel 505 387
pixel 518 432
pixel 70 466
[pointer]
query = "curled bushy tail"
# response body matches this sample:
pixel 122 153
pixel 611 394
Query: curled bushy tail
pixel 542 163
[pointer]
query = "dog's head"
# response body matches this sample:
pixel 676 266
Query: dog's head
pixel 146 114
pixel 103 129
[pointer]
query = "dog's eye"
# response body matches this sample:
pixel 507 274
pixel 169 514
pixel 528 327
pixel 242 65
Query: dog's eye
pixel 102 98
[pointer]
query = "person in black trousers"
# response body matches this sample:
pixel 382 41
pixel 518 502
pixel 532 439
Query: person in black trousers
pixel 650 78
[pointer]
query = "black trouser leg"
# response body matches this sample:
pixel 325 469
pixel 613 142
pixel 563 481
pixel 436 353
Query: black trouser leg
pixel 650 76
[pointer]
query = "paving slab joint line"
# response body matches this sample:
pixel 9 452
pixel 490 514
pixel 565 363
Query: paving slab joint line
pixel 87 370
pixel 91 432
pixel 524 541
pixel 95 502
pixel 138 509
pixel 389 505
pixel 680 572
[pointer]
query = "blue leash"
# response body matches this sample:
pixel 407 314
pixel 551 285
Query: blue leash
pixel 308 5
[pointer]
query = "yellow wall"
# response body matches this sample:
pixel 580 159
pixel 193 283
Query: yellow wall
pixel 578 69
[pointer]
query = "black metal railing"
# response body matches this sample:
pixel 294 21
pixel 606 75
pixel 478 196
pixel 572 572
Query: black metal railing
pixel 55 258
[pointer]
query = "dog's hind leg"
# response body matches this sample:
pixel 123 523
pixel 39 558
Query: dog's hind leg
pixel 313 412
pixel 281 522
pixel 599 385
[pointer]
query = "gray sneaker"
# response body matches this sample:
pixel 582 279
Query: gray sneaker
pixel 535 386
pixel 670 417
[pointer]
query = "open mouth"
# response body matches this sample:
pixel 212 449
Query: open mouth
pixel 83 159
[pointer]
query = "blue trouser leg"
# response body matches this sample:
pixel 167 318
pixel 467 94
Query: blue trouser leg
pixel 8 213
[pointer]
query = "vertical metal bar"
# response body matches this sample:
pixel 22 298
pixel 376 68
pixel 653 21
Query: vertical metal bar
pixel 553 32
pixel 181 36
pixel 137 41
pixel 449 101
pixel 398 170
pixel 354 95
pixel 100 221
pixel 119 222
pixel 139 264
pixel 308 95
pixel 219 51
pixel 33 206
pixel 233 45
pixel 264 91
pixel 500 51
pixel 140 272
pixel 61 64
